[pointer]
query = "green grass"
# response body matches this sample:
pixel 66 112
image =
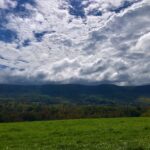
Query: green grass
pixel 84 134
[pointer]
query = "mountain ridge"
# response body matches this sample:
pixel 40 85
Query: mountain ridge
pixel 76 93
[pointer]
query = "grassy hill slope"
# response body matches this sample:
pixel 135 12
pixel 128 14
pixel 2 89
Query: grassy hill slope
pixel 88 134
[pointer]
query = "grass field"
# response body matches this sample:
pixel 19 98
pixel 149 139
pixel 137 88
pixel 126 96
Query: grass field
pixel 86 134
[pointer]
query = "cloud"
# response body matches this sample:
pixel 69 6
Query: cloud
pixel 46 42
pixel 2 4
pixel 143 44
pixel 5 4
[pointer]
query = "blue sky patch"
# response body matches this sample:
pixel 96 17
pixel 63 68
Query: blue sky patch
pixel 20 8
pixel 124 5
pixel 95 12
pixel 26 43
pixel 39 35
pixel 3 19
pixel 32 2
pixel 76 8
pixel 7 35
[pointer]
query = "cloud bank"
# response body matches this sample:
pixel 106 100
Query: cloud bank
pixel 74 41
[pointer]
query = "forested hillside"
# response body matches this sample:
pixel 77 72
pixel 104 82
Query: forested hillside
pixel 46 102
pixel 76 94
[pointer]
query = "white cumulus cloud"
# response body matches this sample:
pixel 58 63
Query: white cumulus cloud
pixel 53 45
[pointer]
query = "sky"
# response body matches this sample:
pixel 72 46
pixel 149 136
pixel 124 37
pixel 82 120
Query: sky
pixel 75 41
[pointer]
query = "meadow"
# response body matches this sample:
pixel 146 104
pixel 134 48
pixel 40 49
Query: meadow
pixel 82 134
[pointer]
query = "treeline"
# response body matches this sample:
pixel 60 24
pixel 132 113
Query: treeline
pixel 24 111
